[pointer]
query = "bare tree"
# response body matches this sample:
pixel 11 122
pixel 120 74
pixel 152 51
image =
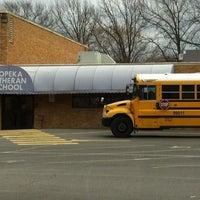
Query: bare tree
pixel 35 12
pixel 128 30
pixel 172 26
pixel 75 19
pixel 194 39
pixel 120 30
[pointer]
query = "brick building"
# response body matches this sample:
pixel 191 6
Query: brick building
pixel 24 42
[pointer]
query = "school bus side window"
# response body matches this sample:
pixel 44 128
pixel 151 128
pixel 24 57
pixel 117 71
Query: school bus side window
pixel 147 92
pixel 170 92
pixel 198 91
pixel 188 92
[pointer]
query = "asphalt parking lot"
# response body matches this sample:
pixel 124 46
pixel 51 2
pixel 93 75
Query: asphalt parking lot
pixel 84 164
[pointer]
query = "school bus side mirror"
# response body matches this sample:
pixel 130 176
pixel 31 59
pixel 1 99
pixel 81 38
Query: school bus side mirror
pixel 129 89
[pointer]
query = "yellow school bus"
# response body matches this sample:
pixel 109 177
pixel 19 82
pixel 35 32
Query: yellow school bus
pixel 158 101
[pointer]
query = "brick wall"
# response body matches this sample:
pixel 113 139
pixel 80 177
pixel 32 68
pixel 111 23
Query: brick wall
pixel 28 43
pixel 3 42
pixel 60 114
pixel 186 67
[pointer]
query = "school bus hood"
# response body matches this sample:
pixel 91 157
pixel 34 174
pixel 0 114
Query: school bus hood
pixel 124 103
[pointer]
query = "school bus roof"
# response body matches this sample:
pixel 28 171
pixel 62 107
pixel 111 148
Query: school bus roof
pixel 168 77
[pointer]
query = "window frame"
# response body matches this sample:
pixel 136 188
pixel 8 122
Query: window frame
pixel 169 92
pixel 188 93
pixel 90 100
pixel 147 92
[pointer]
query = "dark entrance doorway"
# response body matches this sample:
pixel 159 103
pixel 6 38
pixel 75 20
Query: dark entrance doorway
pixel 17 111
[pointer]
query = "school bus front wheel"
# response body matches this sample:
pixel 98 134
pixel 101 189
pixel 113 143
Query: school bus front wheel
pixel 121 126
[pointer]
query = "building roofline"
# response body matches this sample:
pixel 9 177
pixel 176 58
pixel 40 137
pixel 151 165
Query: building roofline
pixel 42 27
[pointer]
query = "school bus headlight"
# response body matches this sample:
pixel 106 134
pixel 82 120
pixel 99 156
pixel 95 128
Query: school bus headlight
pixel 106 111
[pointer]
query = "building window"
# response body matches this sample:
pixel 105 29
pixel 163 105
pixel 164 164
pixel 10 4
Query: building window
pixel 85 101
pixel 94 100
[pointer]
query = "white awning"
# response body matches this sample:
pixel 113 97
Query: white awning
pixel 52 79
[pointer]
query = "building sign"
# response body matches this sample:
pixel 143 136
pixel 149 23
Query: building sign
pixel 15 80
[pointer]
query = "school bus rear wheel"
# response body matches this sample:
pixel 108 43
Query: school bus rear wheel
pixel 121 126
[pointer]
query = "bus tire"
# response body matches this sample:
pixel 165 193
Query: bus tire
pixel 121 126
